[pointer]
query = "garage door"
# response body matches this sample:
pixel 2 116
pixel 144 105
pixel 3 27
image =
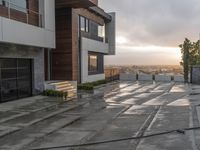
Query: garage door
pixel 15 79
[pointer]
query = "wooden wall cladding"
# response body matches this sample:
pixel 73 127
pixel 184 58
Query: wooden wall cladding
pixel 86 13
pixel 33 18
pixel 64 61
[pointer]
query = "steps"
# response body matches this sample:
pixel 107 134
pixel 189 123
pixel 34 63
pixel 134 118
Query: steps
pixel 65 86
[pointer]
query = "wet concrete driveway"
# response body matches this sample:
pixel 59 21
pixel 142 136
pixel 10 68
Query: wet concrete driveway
pixel 115 111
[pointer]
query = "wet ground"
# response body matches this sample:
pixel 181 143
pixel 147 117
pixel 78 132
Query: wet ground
pixel 116 111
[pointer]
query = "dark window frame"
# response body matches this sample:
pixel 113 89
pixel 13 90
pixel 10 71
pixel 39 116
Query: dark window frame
pixel 91 71
pixel 99 61
pixel 86 24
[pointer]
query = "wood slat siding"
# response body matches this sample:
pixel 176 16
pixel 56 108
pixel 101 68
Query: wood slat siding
pixel 62 56
pixel 33 18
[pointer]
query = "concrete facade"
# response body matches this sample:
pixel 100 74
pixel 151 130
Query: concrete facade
pixel 110 28
pixel 128 77
pixel 145 77
pixel 89 45
pixel 178 78
pixel 163 78
pixel 37 56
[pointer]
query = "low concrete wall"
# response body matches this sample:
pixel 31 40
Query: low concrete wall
pixel 163 78
pixel 127 77
pixel 145 77
pixel 178 78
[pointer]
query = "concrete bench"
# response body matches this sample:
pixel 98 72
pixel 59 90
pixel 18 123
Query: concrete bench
pixel 163 78
pixel 178 78
pixel 145 77
pixel 127 77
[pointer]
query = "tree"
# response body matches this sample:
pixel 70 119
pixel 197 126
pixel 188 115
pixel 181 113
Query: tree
pixel 185 48
pixel 190 56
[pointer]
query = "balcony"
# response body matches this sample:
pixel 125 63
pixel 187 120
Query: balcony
pixel 75 3
pixel 94 45
pixel 12 11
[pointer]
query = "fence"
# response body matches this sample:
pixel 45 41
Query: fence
pixel 112 74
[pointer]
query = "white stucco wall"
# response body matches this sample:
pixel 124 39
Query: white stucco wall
pixel 16 32
pixel 92 46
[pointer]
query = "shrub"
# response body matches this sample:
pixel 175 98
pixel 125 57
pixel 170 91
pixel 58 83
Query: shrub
pixel 91 85
pixel 54 93
pixel 85 87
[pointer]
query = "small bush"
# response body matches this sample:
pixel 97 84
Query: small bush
pixel 55 93
pixel 91 85
pixel 85 87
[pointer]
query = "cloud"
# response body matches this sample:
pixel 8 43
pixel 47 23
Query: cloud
pixel 156 22
pixel 150 55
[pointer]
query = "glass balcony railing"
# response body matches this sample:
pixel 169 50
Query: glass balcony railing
pixel 15 12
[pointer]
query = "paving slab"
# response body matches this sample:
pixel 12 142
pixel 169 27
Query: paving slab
pixel 21 139
pixel 62 137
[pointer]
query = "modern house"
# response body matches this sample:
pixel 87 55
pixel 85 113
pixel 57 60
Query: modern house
pixel 84 35
pixel 27 27
pixel 45 43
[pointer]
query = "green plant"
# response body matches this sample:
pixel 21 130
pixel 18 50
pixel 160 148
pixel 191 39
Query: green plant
pixel 85 87
pixel 54 93
pixel 91 85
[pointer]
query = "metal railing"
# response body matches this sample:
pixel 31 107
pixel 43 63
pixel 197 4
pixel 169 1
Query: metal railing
pixel 27 12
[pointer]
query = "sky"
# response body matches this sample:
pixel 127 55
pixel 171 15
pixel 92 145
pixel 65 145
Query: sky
pixel 149 31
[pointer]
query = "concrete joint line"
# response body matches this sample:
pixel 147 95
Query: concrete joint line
pixel 145 126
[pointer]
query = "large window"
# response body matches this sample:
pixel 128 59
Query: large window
pixel 15 79
pixel 95 63
pixel 20 5
pixel 84 24
pixel 92 63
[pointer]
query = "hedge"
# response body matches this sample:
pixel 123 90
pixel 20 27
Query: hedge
pixel 54 93
pixel 91 85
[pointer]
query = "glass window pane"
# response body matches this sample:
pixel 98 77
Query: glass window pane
pixel 9 90
pixel 8 73
pixel 20 5
pixel 82 23
pixel 8 63
pixel 23 63
pixel 15 79
pixel 24 83
pixel 101 31
pixel 24 92
pixel 87 25
pixel 92 64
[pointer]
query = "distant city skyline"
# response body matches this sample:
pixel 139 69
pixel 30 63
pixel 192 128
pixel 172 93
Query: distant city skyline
pixel 149 32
